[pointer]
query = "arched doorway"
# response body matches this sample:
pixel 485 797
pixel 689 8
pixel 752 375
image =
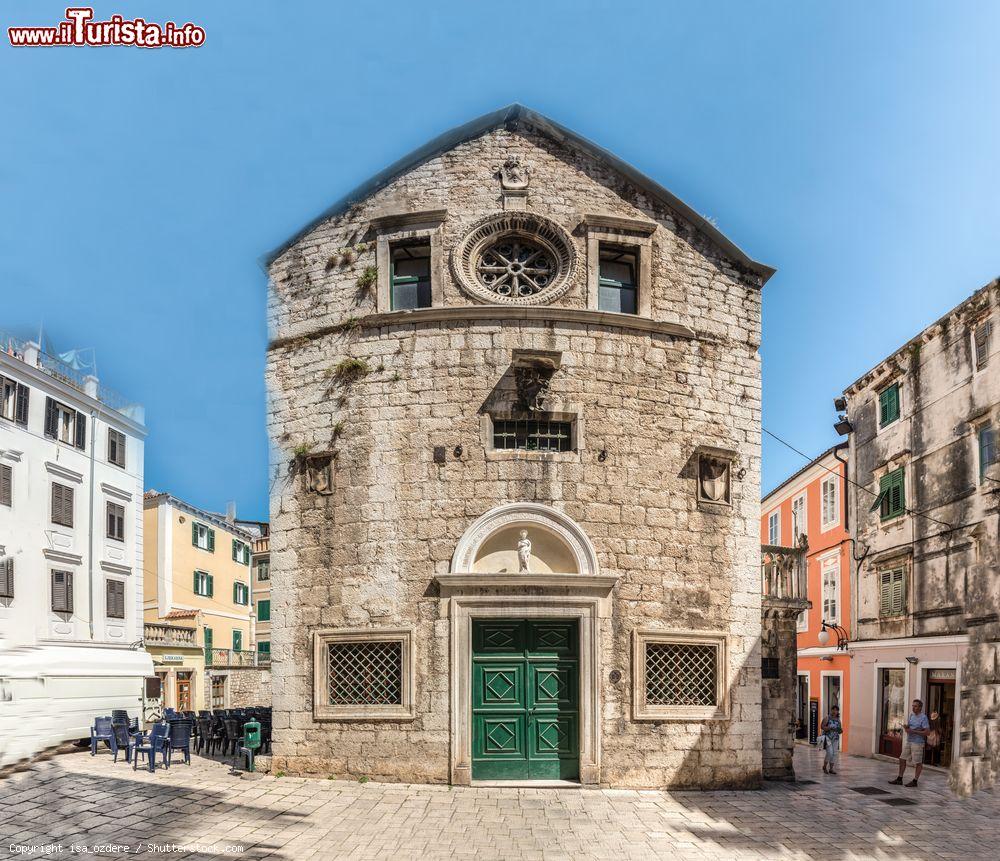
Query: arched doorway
pixel 526 604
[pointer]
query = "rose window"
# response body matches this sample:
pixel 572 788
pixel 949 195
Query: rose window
pixel 516 258
pixel 515 267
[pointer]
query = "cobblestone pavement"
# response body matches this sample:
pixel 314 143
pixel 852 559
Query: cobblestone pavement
pixel 203 810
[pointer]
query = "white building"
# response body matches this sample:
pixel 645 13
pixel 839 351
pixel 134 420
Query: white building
pixel 71 473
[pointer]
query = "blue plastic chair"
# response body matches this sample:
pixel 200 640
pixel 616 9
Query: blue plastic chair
pixel 179 738
pixel 124 739
pixel 148 746
pixel 101 731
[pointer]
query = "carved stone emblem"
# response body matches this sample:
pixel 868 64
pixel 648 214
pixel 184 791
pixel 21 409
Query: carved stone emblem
pixel 713 478
pixel 532 386
pixel 513 174
pixel 319 474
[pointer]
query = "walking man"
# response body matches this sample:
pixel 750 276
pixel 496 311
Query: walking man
pixel 917 729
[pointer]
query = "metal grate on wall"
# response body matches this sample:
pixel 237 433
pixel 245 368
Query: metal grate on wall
pixel 681 674
pixel 366 673
pixel 532 434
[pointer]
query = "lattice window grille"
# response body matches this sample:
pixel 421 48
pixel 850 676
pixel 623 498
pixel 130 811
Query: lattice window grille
pixel 681 674
pixel 532 434
pixel 365 673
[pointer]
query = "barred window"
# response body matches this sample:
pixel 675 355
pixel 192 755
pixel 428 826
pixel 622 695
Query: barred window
pixel 532 434
pixel 364 673
pixel 679 676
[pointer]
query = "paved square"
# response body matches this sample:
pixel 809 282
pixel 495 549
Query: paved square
pixel 202 811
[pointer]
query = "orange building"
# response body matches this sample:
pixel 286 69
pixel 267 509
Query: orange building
pixel 812 503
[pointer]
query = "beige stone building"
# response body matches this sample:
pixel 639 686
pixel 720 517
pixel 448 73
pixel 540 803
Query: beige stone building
pixel 515 416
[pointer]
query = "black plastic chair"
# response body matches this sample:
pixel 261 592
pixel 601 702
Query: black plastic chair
pixel 123 739
pixel 205 737
pixel 233 729
pixel 101 731
pixel 149 745
pixel 178 738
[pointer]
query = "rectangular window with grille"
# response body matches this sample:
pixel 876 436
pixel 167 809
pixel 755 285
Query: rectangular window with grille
pixel 892 592
pixel 410 276
pixel 363 674
pixel 679 675
pixel 532 435
pixel 218 692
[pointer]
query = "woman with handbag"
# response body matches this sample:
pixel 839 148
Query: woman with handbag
pixel 832 729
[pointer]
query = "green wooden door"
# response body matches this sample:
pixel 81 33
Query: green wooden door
pixel 525 699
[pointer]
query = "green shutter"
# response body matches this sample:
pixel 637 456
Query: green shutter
pixel 237 641
pixel 892 494
pixel 194 533
pixel 211 585
pixel 888 402
pixel 234 549
pixel 263 611
pixel 196 592
pixel 211 541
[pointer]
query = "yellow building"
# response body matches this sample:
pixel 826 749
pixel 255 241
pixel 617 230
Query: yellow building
pixel 197 579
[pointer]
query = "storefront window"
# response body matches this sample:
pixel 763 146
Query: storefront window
pixel 892 709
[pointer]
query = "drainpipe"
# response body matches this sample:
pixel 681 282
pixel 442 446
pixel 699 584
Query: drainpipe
pixel 90 525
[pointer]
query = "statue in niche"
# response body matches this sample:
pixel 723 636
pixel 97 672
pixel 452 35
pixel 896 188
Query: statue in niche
pixel 319 474
pixel 523 552
pixel 513 174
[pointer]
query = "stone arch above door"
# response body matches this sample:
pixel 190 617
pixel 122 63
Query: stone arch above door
pixel 558 544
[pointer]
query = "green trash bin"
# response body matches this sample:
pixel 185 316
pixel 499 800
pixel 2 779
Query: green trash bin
pixel 251 741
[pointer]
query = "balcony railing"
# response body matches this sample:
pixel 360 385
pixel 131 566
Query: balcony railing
pixel 155 634
pixel 30 353
pixel 783 572
pixel 235 658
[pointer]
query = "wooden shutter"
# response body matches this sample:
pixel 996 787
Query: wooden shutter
pixel 237 641
pixel 62 592
pixel 263 611
pixel 208 638
pixel 6 485
pixel 194 533
pixel 7 577
pixel 115 599
pixel 51 419
pixel 81 430
pixel 62 505
pixel 21 404
pixel 195 586
pixel 211 585
pixel 211 541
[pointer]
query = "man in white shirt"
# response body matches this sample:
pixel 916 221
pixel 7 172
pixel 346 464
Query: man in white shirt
pixel 917 729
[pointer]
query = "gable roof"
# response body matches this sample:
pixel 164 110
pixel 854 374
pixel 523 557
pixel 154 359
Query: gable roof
pixel 512 117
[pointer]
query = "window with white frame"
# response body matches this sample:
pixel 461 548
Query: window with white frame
pixel 678 675
pixel 14 401
pixel 831 590
pixel 116 447
pixel 830 501
pixel 363 674
pixel 774 528
pixel 203 537
pixel 798 518
pixel 241 552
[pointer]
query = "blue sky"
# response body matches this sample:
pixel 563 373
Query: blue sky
pixel 852 145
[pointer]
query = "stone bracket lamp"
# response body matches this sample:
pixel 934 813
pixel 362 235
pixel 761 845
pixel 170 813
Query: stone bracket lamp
pixel 842 639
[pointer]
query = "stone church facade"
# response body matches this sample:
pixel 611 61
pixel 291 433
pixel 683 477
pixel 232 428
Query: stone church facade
pixel 514 406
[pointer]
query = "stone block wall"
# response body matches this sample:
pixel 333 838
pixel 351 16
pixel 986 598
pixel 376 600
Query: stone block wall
pixel 366 555
pixel 249 686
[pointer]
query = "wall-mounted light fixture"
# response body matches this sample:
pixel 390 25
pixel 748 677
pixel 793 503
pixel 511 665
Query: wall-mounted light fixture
pixel 842 638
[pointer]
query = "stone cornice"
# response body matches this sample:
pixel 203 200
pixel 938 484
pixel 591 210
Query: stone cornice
pixel 464 583
pixel 61 556
pixel 117 492
pixel 63 472
pixel 115 568
pixel 597 221
pixel 505 313
pixel 386 220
